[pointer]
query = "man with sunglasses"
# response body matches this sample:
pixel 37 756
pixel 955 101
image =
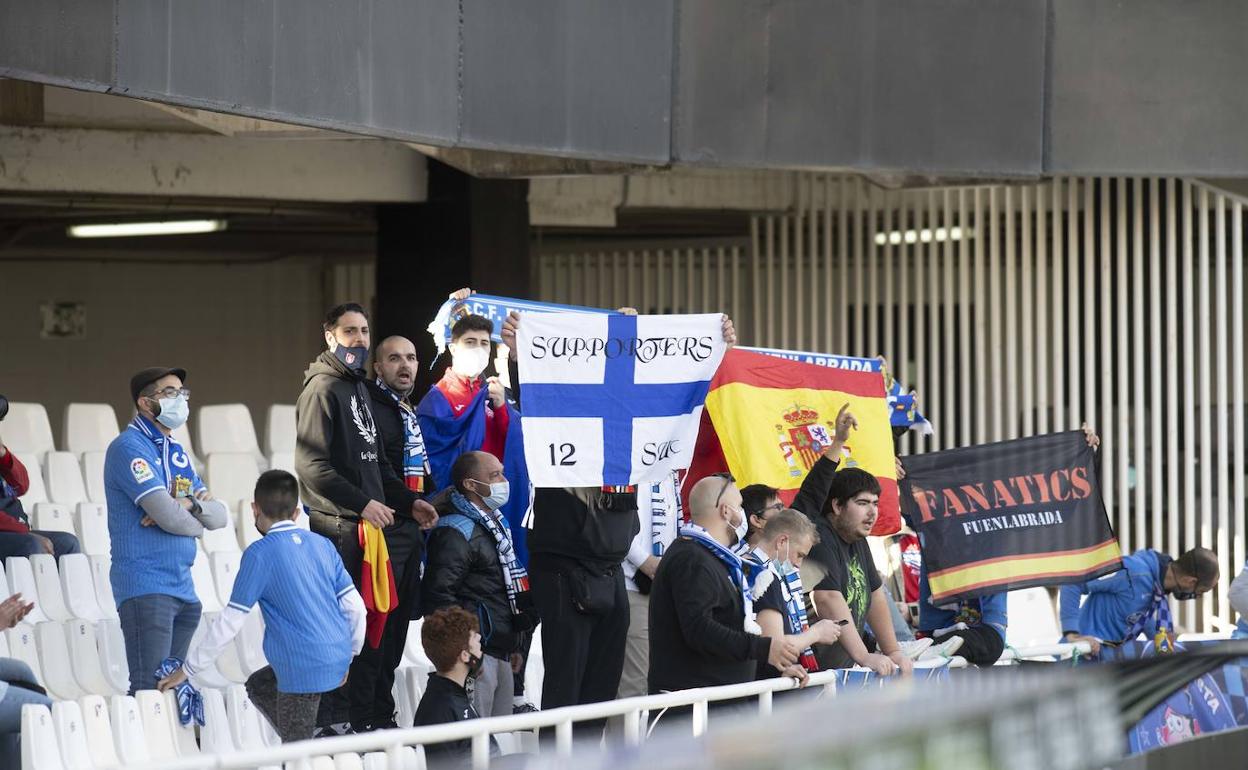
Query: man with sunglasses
pixel 1135 599
pixel 157 506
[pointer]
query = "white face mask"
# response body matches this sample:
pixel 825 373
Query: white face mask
pixel 469 362
pixel 173 412
pixel 500 493
pixel 742 528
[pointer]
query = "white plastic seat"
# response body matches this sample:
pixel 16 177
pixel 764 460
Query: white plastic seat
pixel 40 748
pixel 128 732
pixel 226 670
pixel 215 736
pixel 375 760
pixel 91 523
pixel 244 719
pixel 112 646
pixel 52 517
pixel 27 430
pixel 87 659
pixel 4 646
pixel 348 762
pixel 403 703
pixel 48 584
pixel 224 571
pixel 183 735
pixel 36 492
pixel 93 476
pixel 223 539
pixel 99 732
pixel 22 581
pixel 271 738
pixel 78 588
pixel 71 734
pixel 205 589
pixel 89 427
pixel 101 566
pixel 158 725
pixel 312 763
pixel 414 680
pixel 63 477
pixel 232 476
pixel 23 647
pixel 226 428
pixel 250 643
pixel 1032 618
pixel 279 428
pixel 283 461
pixel 58 670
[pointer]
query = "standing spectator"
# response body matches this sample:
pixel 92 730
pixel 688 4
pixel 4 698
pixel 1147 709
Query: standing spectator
pixel 403 449
pixel 452 641
pixel 157 506
pixel 17 687
pixel 473 565
pixel 702 628
pixel 345 484
pixel 660 515
pixel 16 536
pixel 313 615
pixel 846 586
pixel 1134 600
pixel 787 539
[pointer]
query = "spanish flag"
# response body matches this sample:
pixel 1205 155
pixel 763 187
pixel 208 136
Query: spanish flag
pixel 767 420
pixel 376 582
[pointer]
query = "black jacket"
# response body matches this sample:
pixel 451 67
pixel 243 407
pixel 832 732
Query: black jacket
pixel 445 701
pixel 697 617
pixel 389 427
pixel 338 450
pixel 565 528
pixel 466 572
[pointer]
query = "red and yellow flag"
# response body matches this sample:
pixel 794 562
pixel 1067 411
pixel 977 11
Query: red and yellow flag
pixel 376 582
pixel 767 420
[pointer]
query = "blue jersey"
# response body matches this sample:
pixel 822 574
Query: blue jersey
pixel 298 578
pixel 1115 602
pixel 147 560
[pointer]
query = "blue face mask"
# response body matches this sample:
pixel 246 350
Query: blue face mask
pixel 173 412
pixel 354 358
pixel 786 566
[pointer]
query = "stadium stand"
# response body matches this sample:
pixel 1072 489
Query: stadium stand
pixel 89 428
pixel 27 431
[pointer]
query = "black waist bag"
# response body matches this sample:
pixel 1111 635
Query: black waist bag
pixel 593 591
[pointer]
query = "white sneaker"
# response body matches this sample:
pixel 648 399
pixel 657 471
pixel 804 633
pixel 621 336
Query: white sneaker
pixel 945 649
pixel 914 649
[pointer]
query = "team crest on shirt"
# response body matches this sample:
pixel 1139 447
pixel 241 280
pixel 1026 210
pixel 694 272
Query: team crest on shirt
pixel 179 460
pixel 141 470
pixel 181 486
pixel 363 421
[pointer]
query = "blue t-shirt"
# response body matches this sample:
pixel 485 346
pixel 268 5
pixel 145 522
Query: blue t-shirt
pixel 298 578
pixel 147 560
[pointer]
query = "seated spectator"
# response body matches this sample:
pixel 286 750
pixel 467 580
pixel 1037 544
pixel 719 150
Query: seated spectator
pixel 787 539
pixel 16 536
pixel 1239 602
pixel 157 507
pixel 17 687
pixel 846 585
pixel 973 628
pixel 313 615
pixel 473 565
pixel 702 628
pixel 452 642
pixel 1134 600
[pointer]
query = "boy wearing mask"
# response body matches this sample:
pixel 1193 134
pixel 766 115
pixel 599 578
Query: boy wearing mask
pixel 452 641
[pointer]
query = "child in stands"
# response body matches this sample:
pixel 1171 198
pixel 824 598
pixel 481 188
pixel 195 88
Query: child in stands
pixel 313 615
pixel 452 640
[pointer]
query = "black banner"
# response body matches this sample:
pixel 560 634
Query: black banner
pixel 1009 515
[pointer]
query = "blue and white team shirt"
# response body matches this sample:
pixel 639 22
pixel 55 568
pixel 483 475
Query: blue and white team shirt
pixel 147 560
pixel 300 583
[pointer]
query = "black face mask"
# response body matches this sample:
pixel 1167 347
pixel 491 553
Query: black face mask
pixel 474 665
pixel 354 358
pixel 1184 596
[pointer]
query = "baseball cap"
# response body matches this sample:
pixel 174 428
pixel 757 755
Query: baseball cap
pixel 149 375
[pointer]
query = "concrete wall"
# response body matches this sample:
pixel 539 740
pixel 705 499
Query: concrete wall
pixel 244 332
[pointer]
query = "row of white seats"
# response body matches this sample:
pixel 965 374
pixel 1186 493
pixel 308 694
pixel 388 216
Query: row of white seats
pixel 91 427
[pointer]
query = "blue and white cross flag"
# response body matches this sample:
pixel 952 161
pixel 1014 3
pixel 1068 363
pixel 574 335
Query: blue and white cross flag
pixel 613 399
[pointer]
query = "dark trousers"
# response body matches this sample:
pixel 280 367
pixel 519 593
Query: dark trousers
pixel 584 654
pixel 25 544
pixel 981 645
pixel 367 699
pixel 518 685
pixel 292 714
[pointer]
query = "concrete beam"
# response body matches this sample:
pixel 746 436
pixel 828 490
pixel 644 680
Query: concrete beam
pixel 46 160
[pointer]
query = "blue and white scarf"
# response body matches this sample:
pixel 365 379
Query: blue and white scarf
pixel 736 570
pixel 172 456
pixel 662 525
pixel 795 613
pixel 190 702
pixel 415 469
pixel 515 576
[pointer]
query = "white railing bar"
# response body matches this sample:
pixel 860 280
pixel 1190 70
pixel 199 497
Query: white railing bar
pixel 1065 650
